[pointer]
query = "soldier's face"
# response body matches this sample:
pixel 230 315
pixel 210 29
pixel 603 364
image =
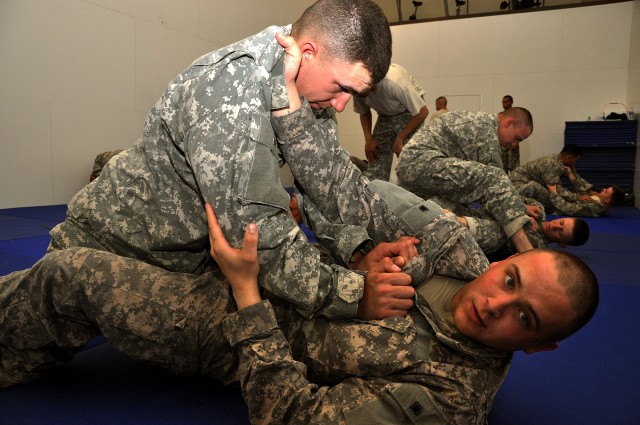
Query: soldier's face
pixel 606 195
pixel 327 82
pixel 516 305
pixel 511 133
pixel 559 230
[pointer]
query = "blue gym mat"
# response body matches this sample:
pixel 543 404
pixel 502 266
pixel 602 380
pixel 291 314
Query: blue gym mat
pixel 592 379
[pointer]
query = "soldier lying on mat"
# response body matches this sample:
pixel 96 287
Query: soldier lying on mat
pixel 586 205
pixel 441 363
pixel 564 231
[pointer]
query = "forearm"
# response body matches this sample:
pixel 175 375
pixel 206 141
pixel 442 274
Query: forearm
pixel 413 124
pixel 342 240
pixel 366 121
pixel 520 241
pixel 322 169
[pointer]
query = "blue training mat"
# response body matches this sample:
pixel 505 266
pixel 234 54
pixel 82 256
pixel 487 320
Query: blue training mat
pixel 592 379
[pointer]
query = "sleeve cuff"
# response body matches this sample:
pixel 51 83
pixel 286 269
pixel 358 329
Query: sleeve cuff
pixel 473 226
pixel 349 288
pixel 294 124
pixel 517 224
pixel 250 322
pixel 349 240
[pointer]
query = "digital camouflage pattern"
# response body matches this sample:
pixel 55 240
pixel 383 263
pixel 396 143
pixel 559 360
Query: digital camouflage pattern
pixel 458 387
pixel 531 179
pixel 491 238
pixel 571 205
pixel 510 158
pixel 407 369
pixel 209 139
pixel 195 149
pixel 334 186
pixel 415 369
pixel 50 311
pixel 457 158
pixel 385 131
pixel 100 161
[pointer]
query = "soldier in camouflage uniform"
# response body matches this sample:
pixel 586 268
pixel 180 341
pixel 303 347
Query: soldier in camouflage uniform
pixel 209 139
pixel 441 364
pixel 399 101
pixel 456 157
pixel 573 204
pixel 491 239
pixel 531 179
pixel 100 161
pixel 510 155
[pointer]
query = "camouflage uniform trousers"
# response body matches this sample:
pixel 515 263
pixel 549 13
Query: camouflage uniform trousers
pixel 535 191
pixel 168 319
pixel 49 312
pixel 343 197
pixel 491 239
pixel 385 131
pixel 466 182
pixel 571 205
pixel 487 232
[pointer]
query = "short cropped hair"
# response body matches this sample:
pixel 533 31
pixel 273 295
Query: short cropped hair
pixel 581 286
pixel 617 195
pixel 520 114
pixel 354 31
pixel 508 96
pixel 580 232
pixel 571 149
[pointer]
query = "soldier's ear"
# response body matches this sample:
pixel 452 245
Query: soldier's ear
pixel 309 50
pixel 506 121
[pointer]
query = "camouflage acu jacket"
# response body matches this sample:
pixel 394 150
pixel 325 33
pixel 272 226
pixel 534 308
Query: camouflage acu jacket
pixel 548 170
pixel 471 136
pixel 209 139
pixel 571 205
pixel 415 369
pixel 397 370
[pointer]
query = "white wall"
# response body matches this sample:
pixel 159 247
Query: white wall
pixel 78 76
pixel 562 65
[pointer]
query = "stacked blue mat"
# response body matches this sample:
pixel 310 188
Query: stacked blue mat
pixel 591 379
